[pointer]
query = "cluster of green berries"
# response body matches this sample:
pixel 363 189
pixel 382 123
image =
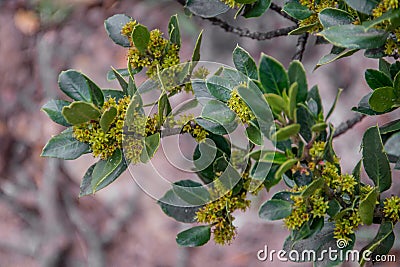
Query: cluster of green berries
pixel 237 105
pixel 103 144
pixel 160 53
pixel 219 214
pixel 391 208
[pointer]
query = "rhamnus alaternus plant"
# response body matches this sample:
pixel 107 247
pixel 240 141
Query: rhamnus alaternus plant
pixel 287 135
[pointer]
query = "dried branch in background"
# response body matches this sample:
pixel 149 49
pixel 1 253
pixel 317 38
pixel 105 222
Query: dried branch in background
pixel 347 125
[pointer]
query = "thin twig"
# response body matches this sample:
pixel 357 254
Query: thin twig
pixel 247 33
pixel 347 125
pixel 300 47
pixel 278 10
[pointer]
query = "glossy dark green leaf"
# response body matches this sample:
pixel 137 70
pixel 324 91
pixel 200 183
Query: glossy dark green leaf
pixel 196 50
pixel 211 126
pixel 377 79
pixel 111 75
pixel 394 69
pixel 96 93
pixel 107 118
pixel 392 145
pixel 194 237
pixel 354 36
pixel 334 208
pixel 273 76
pixel 110 93
pixel 332 16
pixel 104 168
pixel 311 188
pixel 173 30
pixel 141 37
pixel 114 26
pixel 306 121
pixel 303 29
pixel 396 85
pixel 313 94
pixel 65 146
pixel 191 192
pixel 329 58
pixel 256 9
pixel 53 109
pixel 296 10
pixel 254 135
pixel 217 111
pixel 384 66
pixel 382 242
pixel 151 143
pixel 375 160
pixel 122 82
pixel 297 73
pixel 245 63
pixel 206 9
pixel 287 165
pixel 220 87
pixel 364 6
pixel 364 107
pixel 275 209
pixel 367 207
pixel 391 14
pixel 392 126
pixel 79 112
pixel 173 206
pixel 382 99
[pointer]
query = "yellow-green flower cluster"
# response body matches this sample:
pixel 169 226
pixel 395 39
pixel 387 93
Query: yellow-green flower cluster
pixel 198 132
pixel 299 213
pixel 346 225
pixel 231 3
pixel 103 144
pixel 160 53
pixel 237 105
pixel 392 45
pixel 344 183
pixel 391 208
pixel 219 215
pixel 318 204
pixel 317 151
pixel 316 6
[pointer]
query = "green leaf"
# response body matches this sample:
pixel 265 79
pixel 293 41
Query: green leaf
pixel 293 90
pixel 303 29
pixel 191 192
pixel 256 9
pixel 79 112
pixel 53 109
pixel 392 126
pixel 392 145
pixel 220 87
pixel 377 79
pixel 173 30
pixel 306 121
pixel 114 26
pixel 367 207
pixel 95 92
pixel 173 206
pixel 365 6
pixel 334 103
pixel 86 187
pixel 254 135
pixel 152 143
pixel 382 99
pixel 333 57
pixel 270 156
pixel 375 160
pixel 332 17
pixel 245 63
pixel 313 94
pixel 121 81
pixel 364 107
pixel 334 208
pixel 211 126
pixel 196 51
pixel 286 132
pixel 273 76
pixel 104 168
pixel 206 9
pixel 110 93
pixel 285 167
pixel 394 69
pixel 354 36
pixel 382 242
pixel 218 112
pixel 296 10
pixel 122 72
pixel 391 14
pixel 275 209
pixel 384 67
pixel 311 188
pixel 396 85
pixel 107 118
pixel 276 102
pixel 65 146
pixel 141 37
pixel 297 73
pixel 194 237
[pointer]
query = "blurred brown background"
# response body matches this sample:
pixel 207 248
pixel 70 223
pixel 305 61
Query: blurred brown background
pixel 43 223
